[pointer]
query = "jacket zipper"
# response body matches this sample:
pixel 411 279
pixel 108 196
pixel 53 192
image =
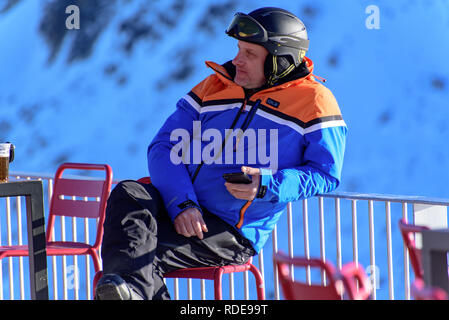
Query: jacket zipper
pixel 247 121
pixel 244 126
pixel 234 122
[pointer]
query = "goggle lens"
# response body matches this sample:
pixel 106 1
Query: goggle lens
pixel 244 27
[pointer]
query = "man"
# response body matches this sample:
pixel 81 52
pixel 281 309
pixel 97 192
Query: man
pixel 189 216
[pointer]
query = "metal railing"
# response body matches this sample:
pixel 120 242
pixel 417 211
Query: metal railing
pixel 337 227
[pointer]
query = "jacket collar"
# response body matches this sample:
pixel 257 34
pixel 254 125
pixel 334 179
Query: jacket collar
pixel 226 74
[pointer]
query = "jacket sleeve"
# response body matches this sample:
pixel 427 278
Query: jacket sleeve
pixel 319 173
pixel 168 154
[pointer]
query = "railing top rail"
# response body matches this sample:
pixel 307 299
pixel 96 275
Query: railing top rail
pixel 341 195
pixel 33 175
pixel 386 197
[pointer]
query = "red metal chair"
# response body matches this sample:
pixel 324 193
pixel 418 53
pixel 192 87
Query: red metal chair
pixel 210 273
pixel 84 205
pixel 419 291
pixel 342 285
pixel 352 274
pixel 216 274
pixel 408 232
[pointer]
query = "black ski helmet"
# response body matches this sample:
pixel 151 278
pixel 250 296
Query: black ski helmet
pixel 277 30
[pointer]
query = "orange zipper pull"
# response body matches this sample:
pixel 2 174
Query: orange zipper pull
pixel 242 213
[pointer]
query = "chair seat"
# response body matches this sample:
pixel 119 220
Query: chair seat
pixel 68 248
pixel 13 251
pixel 53 248
pixel 207 272
pixel 216 273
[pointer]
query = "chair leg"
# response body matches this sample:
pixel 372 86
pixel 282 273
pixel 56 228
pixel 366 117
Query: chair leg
pixel 96 260
pixel 217 284
pixel 97 268
pixel 97 277
pixel 259 282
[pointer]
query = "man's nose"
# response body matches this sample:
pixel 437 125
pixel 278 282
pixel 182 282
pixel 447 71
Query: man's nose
pixel 237 61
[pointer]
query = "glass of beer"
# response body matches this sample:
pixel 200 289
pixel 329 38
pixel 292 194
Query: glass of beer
pixel 6 156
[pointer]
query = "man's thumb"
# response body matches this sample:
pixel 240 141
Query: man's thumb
pixel 250 170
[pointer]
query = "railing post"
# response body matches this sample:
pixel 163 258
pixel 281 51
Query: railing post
pixel 246 284
pixel 322 238
pixel 290 236
pixel 203 289
pixel 87 258
pixel 306 236
pixel 389 250
pixel 406 258
pixel 189 289
pixel 231 286
pixel 372 247
pixel 53 258
pixel 338 232
pixel 262 269
pixel 176 288
pixel 275 268
pixel 355 250
pixel 20 242
pixel 10 262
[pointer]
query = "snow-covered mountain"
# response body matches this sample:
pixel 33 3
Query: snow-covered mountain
pixel 99 93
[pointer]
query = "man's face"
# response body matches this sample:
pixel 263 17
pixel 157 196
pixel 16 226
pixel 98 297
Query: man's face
pixel 249 64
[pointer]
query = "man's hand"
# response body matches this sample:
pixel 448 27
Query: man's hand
pixel 245 191
pixel 190 223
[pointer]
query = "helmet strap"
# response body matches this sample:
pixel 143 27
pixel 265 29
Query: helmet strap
pixel 277 67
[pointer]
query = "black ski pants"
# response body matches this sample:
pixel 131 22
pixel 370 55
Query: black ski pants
pixel 140 242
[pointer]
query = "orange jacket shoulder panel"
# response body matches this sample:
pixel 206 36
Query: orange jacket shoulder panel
pixel 304 99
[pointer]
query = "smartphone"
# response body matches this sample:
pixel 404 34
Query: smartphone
pixel 237 177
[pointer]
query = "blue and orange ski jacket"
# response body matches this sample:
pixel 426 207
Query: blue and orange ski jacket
pixel 293 132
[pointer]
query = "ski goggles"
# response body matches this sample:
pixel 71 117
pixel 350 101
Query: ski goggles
pixel 246 28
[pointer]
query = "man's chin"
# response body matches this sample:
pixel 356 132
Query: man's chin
pixel 241 82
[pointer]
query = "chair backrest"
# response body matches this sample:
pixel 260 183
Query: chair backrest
pixel 355 281
pixel 408 232
pixel 146 180
pixel 420 291
pixel 82 198
pixel 297 290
